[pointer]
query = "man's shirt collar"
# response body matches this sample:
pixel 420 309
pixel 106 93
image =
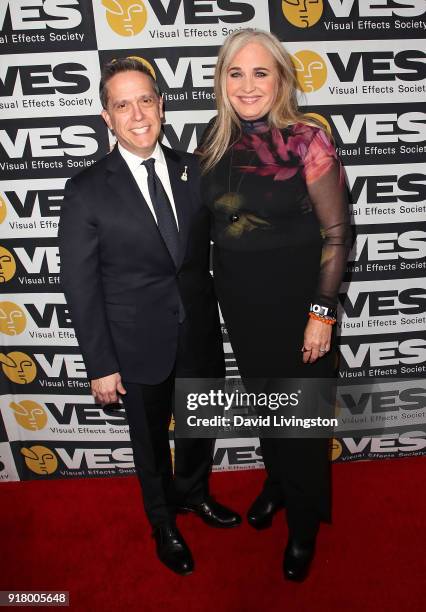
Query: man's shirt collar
pixel 134 161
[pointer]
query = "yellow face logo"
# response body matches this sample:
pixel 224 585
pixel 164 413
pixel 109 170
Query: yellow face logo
pixel 311 70
pixel 40 459
pixel 322 120
pixel 12 319
pixel 3 210
pixel 126 17
pixel 7 265
pixel 302 13
pixel 145 62
pixel 335 449
pixel 18 367
pixel 29 414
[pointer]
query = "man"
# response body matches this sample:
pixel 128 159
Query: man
pixel 134 245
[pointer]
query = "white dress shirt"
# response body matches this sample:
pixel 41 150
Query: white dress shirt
pixel 140 175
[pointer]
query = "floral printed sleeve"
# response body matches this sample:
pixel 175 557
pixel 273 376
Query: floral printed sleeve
pixel 327 191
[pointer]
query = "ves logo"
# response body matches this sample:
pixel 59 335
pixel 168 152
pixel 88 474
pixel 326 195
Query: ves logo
pixel 129 17
pixel 29 414
pixel 44 79
pixel 18 367
pixel 27 203
pixel 126 17
pixel 12 319
pixel 40 459
pixel 7 265
pixel 36 15
pixel 49 141
pixel 302 13
pixel 306 13
pixel 311 70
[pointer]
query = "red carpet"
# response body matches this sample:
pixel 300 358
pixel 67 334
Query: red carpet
pixel 90 537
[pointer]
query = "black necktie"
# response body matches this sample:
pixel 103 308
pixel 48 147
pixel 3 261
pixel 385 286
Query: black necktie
pixel 165 218
pixel 163 210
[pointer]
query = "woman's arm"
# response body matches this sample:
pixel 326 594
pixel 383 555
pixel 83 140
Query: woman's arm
pixel 327 191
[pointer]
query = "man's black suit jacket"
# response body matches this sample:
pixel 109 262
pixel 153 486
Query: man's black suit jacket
pixel 121 283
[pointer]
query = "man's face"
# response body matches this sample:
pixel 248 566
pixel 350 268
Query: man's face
pixel 134 112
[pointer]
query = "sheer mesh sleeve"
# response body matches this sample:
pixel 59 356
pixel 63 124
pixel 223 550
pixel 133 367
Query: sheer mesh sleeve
pixel 327 190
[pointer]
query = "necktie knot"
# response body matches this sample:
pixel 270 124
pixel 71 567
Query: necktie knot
pixel 149 164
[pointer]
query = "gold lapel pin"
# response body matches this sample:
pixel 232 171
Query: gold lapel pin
pixel 184 175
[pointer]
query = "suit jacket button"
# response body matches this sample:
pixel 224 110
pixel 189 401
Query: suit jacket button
pixel 234 218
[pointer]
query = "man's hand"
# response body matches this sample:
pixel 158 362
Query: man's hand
pixel 105 390
pixel 317 340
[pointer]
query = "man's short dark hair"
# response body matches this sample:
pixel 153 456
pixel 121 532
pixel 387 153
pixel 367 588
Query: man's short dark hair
pixel 122 64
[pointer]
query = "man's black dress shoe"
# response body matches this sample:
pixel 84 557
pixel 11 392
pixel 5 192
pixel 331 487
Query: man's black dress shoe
pixel 172 549
pixel 212 513
pixel 262 511
pixel 297 560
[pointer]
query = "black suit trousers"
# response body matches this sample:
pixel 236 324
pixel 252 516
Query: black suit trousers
pixel 149 409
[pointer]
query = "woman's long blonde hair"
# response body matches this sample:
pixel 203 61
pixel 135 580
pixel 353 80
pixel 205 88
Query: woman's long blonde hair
pixel 227 127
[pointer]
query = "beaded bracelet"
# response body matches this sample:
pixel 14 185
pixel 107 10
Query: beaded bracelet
pixel 327 320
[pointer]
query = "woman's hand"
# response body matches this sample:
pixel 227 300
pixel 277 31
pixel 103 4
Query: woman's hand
pixel 317 340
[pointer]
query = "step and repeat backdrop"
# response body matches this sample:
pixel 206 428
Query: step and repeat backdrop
pixel 361 71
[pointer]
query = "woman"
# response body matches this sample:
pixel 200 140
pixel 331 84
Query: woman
pixel 281 235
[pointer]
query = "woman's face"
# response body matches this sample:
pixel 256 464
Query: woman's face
pixel 252 81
